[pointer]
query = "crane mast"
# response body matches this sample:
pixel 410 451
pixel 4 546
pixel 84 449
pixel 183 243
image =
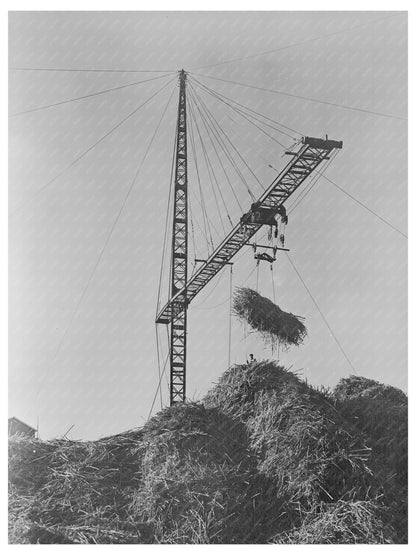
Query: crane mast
pixel 179 273
pixel 305 159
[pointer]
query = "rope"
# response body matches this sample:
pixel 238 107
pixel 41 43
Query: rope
pixel 246 115
pixel 230 315
pixel 159 384
pixel 158 363
pixel 274 293
pixel 206 125
pixel 103 248
pixel 201 194
pixel 214 92
pixel 89 149
pixel 327 103
pixel 211 173
pixel 287 46
pixel 165 235
pixel 219 278
pixel 92 70
pixel 274 300
pixel 322 315
pixel 228 298
pixel 44 107
pixel 226 150
pixel 312 184
pixel 364 206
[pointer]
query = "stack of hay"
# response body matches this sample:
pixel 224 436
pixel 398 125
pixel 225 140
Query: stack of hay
pixel 315 461
pixel 264 458
pixel 380 413
pixel 268 319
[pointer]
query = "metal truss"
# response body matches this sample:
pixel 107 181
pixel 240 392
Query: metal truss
pixel 309 155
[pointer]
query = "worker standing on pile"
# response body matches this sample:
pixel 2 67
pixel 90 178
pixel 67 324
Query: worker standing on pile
pixel 251 359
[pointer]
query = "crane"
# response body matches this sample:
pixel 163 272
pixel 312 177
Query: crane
pixel 304 160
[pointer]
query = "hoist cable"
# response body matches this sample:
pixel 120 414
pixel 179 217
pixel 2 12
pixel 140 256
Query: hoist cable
pixel 352 108
pixel 201 194
pixel 292 45
pixel 98 93
pixel 247 118
pixel 210 170
pixel 228 298
pixel 158 363
pixel 246 115
pixel 103 248
pixel 220 275
pixel 90 148
pixel 210 136
pixel 311 185
pixel 364 206
pixel 247 108
pixel 159 384
pixel 167 220
pixel 196 251
pixel 218 129
pixel 226 149
pixel 240 156
pixel 322 315
pixel 230 316
pixel 274 292
pixel 94 70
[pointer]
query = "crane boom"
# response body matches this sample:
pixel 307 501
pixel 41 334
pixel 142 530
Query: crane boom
pixel 311 152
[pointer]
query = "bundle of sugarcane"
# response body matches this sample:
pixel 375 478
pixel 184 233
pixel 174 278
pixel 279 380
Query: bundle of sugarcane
pixel 268 319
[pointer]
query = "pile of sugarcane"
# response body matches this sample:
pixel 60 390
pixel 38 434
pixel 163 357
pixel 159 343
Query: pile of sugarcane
pixel 273 323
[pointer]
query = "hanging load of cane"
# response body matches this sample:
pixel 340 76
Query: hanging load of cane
pixel 262 315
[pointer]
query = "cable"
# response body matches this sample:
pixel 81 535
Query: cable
pixel 312 184
pixel 158 363
pixel 226 150
pixel 44 107
pixel 159 384
pixel 192 234
pixel 166 222
pixel 274 292
pixel 322 315
pixel 220 275
pixel 228 298
pixel 209 167
pixel 207 126
pixel 230 315
pixel 237 152
pixel 304 98
pixel 102 138
pixel 246 107
pixel 106 242
pixel 364 206
pixel 232 60
pixel 204 211
pixel 226 100
pixel 246 117
pixel 91 70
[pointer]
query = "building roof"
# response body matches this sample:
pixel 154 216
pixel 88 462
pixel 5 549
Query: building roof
pixel 14 419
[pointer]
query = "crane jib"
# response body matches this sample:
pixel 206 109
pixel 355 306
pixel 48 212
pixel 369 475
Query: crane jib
pixel 309 155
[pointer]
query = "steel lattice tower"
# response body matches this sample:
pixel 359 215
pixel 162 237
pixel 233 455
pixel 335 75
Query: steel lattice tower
pixel 179 256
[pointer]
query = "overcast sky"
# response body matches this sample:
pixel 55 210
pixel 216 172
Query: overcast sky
pixel 85 262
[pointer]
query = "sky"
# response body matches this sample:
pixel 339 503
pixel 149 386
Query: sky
pixel 88 207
